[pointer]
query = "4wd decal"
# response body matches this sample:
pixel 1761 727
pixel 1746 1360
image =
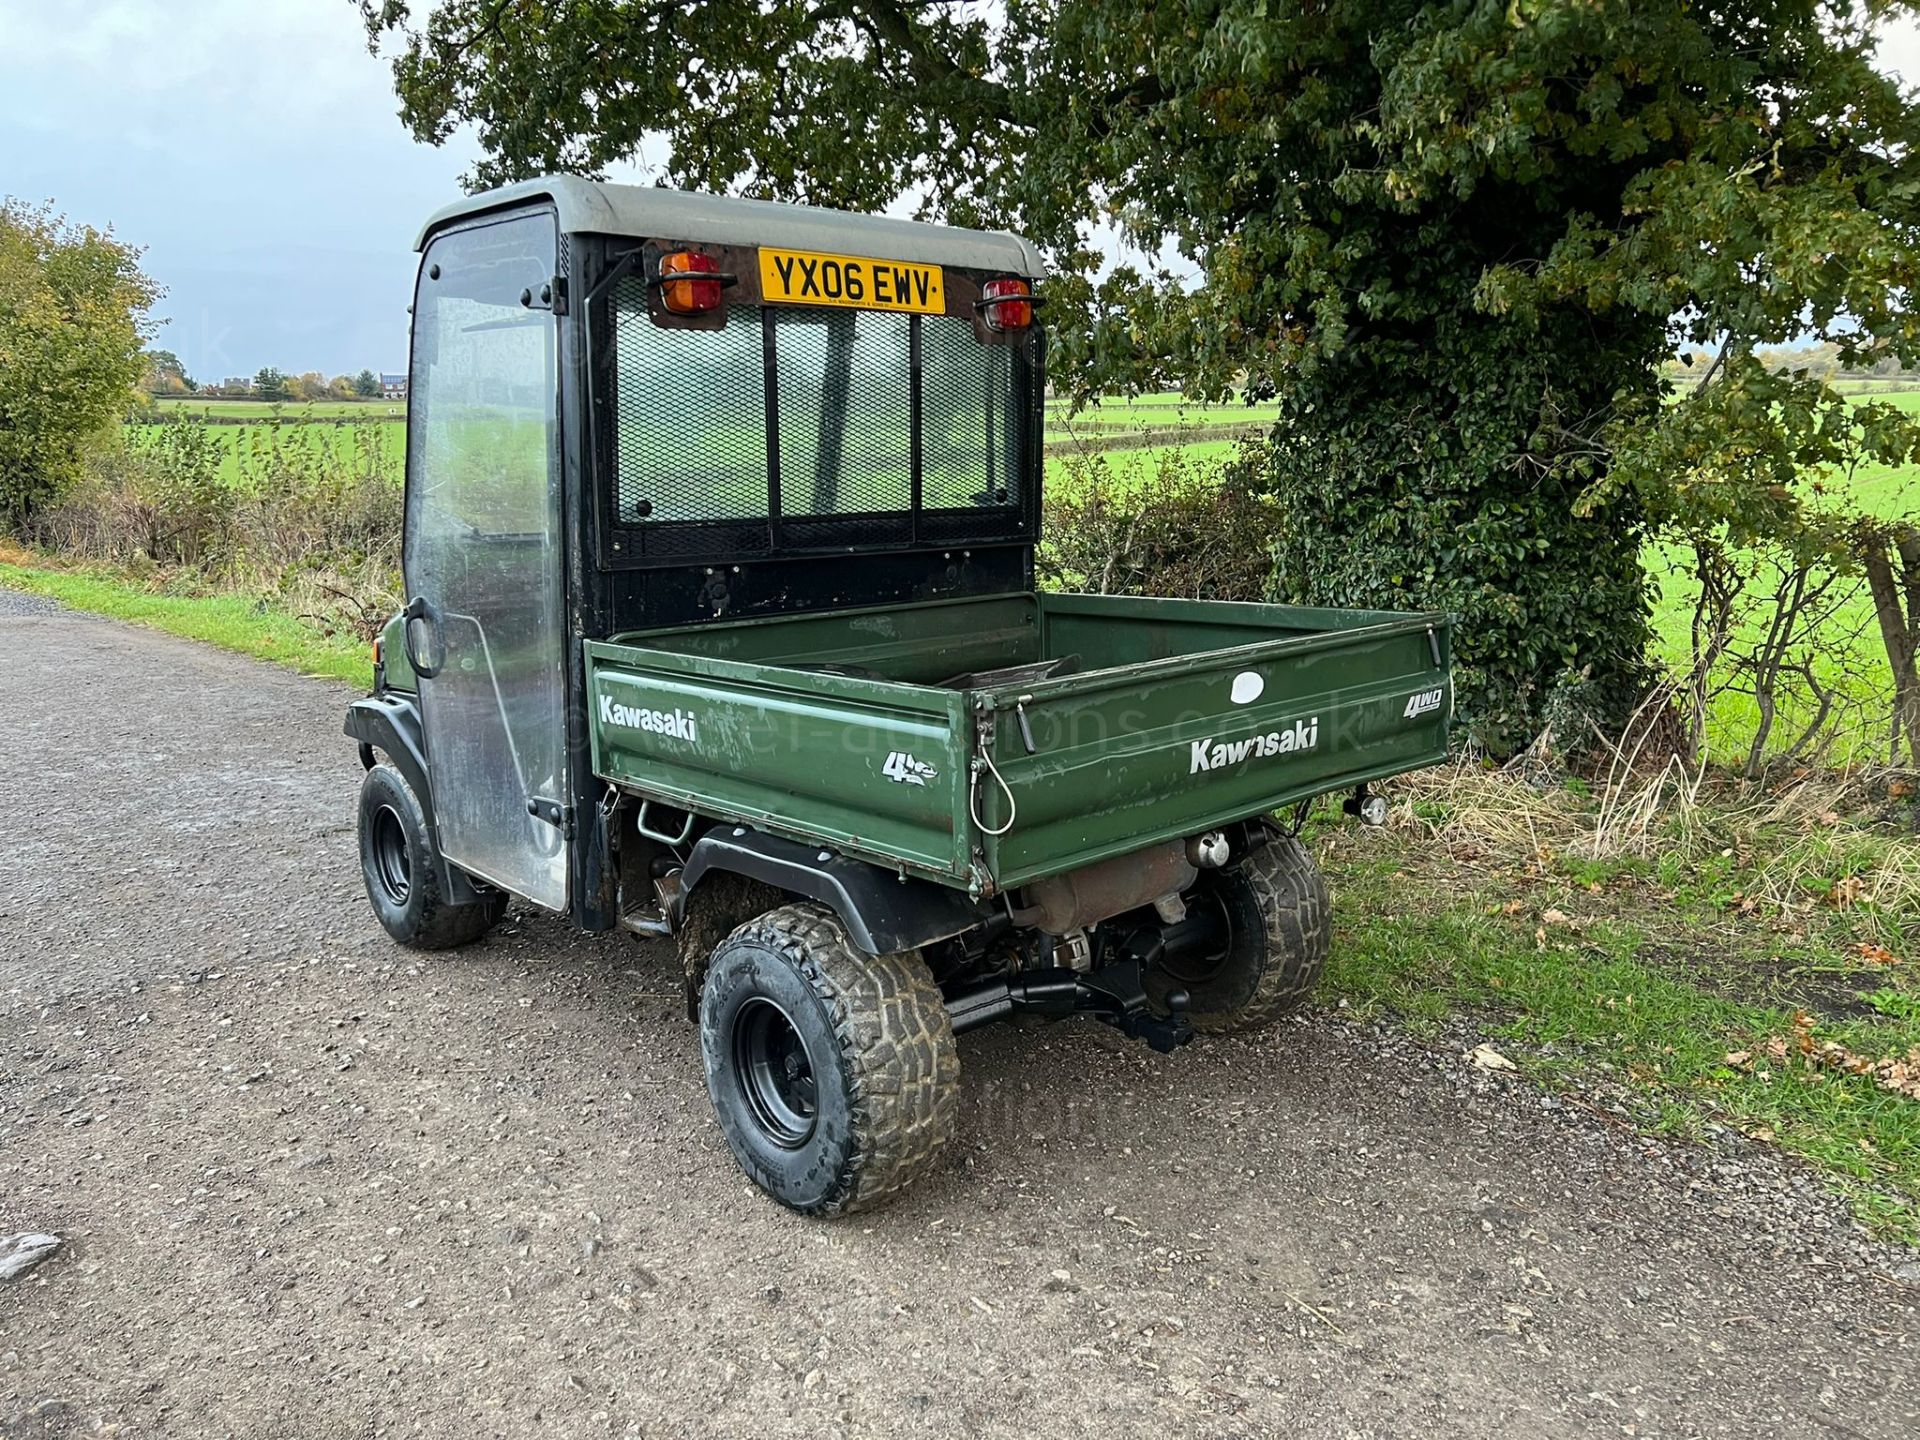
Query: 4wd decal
pixel 905 770
pixel 1424 702
pixel 1213 754
pixel 677 724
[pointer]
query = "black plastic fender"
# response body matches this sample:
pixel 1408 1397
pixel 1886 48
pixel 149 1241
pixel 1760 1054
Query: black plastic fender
pixel 390 722
pixel 884 913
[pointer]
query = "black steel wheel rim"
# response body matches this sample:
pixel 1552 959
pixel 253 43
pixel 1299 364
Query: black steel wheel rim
pixel 776 1073
pixel 391 866
pixel 1199 969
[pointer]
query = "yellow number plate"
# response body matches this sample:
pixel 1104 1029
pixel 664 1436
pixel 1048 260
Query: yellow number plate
pixel 802 277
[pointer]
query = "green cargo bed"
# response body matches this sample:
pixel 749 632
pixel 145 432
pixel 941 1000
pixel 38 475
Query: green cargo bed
pixel 883 733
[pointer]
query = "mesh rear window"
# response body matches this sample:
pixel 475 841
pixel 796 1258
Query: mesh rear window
pixel 969 421
pixel 691 442
pixel 851 363
pixel 698 472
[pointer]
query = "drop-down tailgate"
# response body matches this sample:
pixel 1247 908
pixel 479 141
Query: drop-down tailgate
pixel 1125 757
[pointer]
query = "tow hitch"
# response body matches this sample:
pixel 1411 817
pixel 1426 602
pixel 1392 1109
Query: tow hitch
pixel 1111 992
pixel 1114 994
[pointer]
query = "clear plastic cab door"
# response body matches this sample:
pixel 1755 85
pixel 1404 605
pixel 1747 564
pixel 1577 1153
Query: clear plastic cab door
pixel 484 554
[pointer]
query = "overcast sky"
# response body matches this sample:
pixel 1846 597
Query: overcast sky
pixel 251 147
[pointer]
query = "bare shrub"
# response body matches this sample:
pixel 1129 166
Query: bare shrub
pixel 157 500
pixel 324 517
pixel 1176 529
pixel 1778 648
pixel 1809 840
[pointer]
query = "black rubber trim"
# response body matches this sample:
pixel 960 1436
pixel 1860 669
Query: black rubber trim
pixel 883 913
pixel 390 723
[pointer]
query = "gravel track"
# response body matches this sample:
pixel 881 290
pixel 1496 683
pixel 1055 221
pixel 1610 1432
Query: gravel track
pixel 313 1185
pixel 17 604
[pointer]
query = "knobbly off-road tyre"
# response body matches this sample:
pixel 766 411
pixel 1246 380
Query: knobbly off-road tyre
pixel 402 873
pixel 873 1096
pixel 1280 922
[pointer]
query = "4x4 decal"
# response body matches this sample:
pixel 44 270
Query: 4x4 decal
pixel 903 769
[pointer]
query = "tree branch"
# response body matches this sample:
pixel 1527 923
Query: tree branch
pixel 891 24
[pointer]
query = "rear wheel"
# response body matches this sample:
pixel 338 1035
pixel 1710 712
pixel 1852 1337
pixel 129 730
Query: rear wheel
pixel 833 1073
pixel 1278 919
pixel 402 873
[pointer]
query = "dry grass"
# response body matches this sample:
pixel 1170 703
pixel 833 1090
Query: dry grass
pixel 1791 846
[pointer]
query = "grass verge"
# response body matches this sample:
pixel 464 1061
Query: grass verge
pixel 243 624
pixel 1656 992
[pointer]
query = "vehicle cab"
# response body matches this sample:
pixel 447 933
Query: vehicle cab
pixel 631 408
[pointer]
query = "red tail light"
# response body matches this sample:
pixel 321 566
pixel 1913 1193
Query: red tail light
pixel 689 297
pixel 1005 304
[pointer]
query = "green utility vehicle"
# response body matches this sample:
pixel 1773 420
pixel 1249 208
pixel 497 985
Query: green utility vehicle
pixel 720 528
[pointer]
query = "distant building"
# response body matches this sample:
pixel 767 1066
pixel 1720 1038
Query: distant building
pixel 393 387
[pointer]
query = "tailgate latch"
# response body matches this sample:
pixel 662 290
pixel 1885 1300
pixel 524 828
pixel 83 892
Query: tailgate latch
pixel 1026 730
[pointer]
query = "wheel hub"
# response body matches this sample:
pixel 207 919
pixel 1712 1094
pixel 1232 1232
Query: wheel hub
pixel 391 865
pixel 776 1073
pixel 1196 967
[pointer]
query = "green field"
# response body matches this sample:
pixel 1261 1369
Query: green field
pixel 1209 430
pixel 1151 414
pixel 1132 436
pixel 258 447
pixel 1133 468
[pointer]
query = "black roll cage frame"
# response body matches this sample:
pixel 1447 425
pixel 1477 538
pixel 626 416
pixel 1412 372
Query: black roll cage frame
pixel 604 598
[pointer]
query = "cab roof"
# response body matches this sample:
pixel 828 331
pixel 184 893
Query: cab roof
pixel 587 207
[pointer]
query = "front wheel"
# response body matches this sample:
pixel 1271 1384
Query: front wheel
pixel 1278 921
pixel 833 1073
pixel 402 872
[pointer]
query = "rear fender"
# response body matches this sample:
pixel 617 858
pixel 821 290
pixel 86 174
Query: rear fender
pixel 884 912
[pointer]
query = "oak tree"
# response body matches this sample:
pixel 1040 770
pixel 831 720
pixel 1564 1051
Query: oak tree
pixel 1453 240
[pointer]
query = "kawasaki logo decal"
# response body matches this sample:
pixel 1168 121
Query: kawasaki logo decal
pixel 1213 754
pixel 677 724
